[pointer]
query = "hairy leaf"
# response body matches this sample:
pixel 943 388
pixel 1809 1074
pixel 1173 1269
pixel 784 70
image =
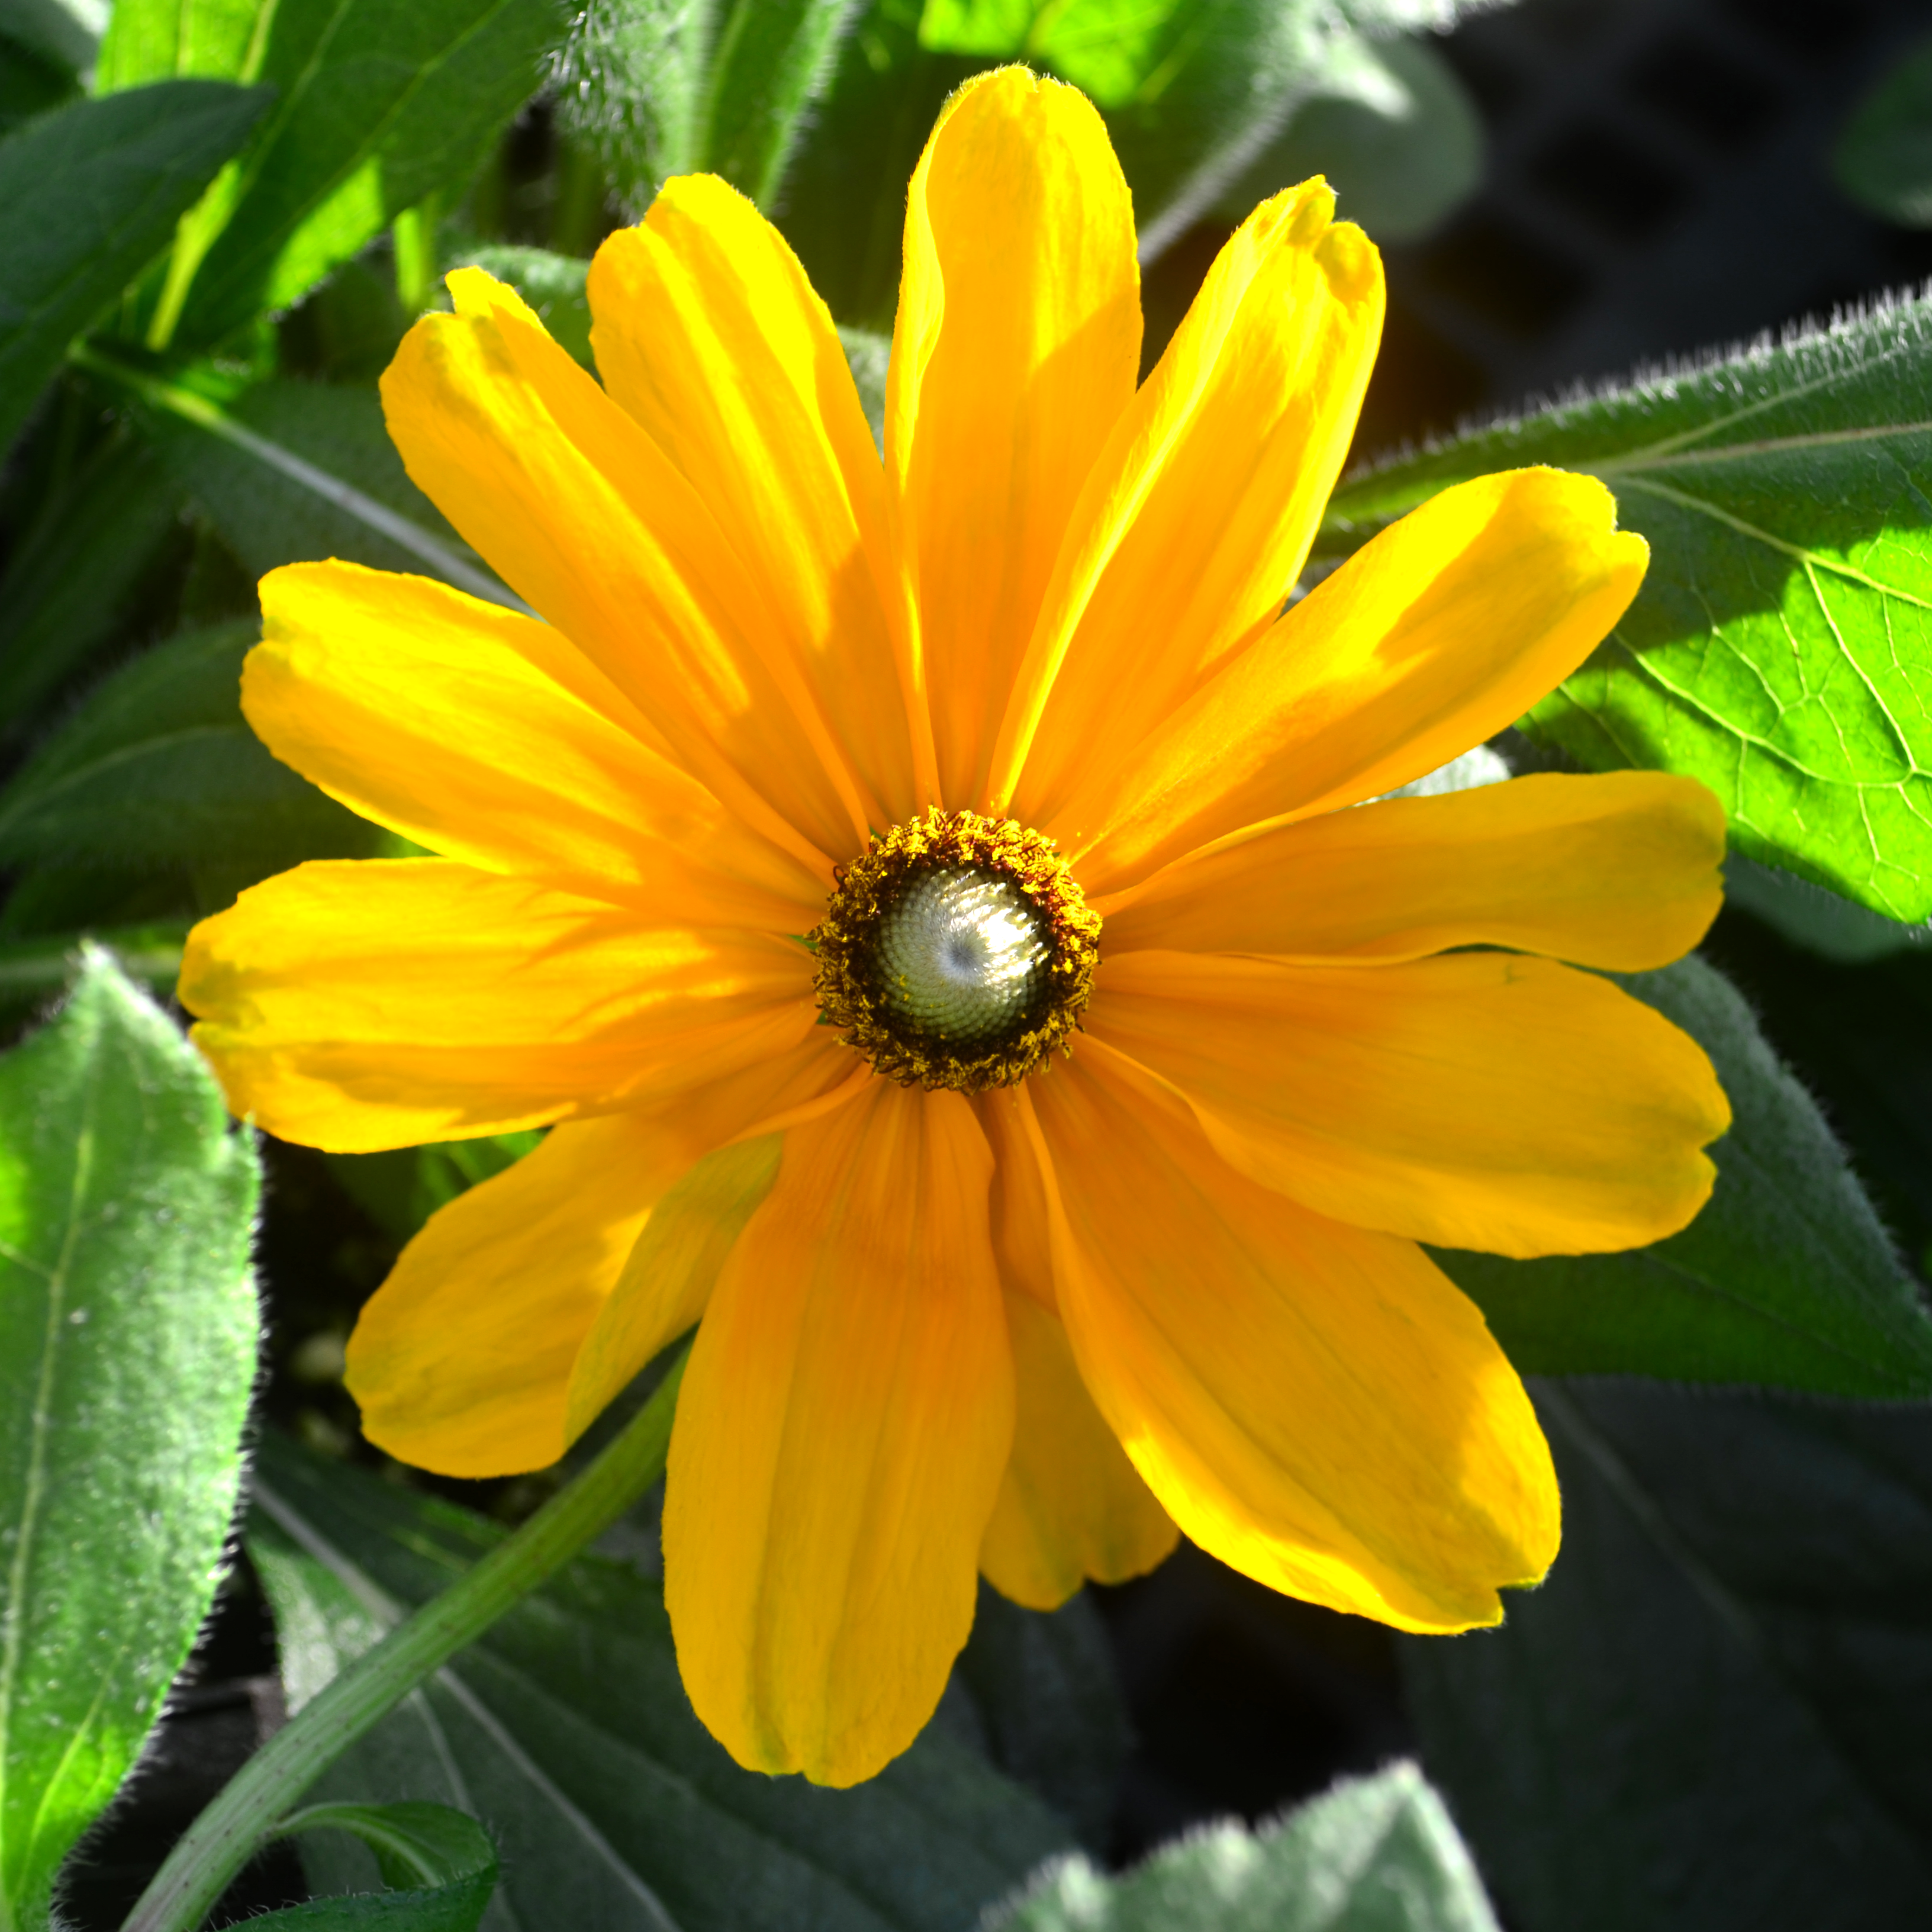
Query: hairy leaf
pixel 770 61
pixel 1712 1717
pixel 127 1326
pixel 160 767
pixel 1786 1278
pixel 567 1730
pixel 297 471
pixel 1370 1854
pixel 1780 648
pixel 89 194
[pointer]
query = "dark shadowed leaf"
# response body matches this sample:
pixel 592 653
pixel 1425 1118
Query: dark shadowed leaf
pixel 78 569
pixel 159 766
pixel 89 195
pixel 1786 1278
pixel 1883 160
pixel 128 1328
pixel 567 1731
pixel 1712 1718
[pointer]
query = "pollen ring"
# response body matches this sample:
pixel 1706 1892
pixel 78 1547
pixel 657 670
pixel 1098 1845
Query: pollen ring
pixel 956 951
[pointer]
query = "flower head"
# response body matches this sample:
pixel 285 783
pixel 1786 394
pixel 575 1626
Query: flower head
pixel 919 895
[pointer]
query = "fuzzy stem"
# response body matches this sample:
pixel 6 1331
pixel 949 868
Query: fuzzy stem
pixel 221 1840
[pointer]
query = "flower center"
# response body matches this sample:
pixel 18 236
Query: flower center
pixel 956 951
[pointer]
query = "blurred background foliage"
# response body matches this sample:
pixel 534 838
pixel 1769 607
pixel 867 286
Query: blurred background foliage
pixel 217 217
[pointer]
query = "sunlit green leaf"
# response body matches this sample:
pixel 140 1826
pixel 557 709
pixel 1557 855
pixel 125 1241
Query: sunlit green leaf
pixel 1883 160
pixel 160 767
pixel 439 1863
pixel 1712 1717
pixel 1787 1277
pixel 171 40
pixel 378 105
pixel 1780 648
pixel 567 1731
pixel 128 1328
pixel 89 194
pixel 1371 1855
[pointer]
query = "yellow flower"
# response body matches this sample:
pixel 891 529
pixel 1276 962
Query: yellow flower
pixel 1118 1247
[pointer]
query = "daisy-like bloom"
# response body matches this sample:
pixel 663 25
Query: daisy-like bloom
pixel 920 893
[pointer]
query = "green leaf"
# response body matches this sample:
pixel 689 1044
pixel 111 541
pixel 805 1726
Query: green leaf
pixel 441 1863
pixel 657 89
pixel 769 61
pixel 160 767
pixel 378 106
pixel 1393 130
pixel 1038 1694
pixel 295 472
pixel 1786 1278
pixel 552 284
pixel 78 571
pixel 868 356
pixel 1370 1854
pixel 1712 1717
pixel 400 1189
pixel 170 39
pixel 127 1326
pixel 89 194
pixel 1780 648
pixel 567 1729
pixel 35 969
pixel 630 81
pixel 1883 159
pixel 843 205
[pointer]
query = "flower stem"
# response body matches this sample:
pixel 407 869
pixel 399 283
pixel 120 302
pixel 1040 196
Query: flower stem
pixel 220 1841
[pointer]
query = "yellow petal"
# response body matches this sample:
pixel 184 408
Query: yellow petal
pixel 461 1360
pixel 668 1278
pixel 488 736
pixel 708 333
pixel 1016 348
pixel 1072 1506
pixel 1198 516
pixel 355 1006
pixel 1446 628
pixel 1316 1405
pixel 592 524
pixel 843 1422
pixel 1478 1100
pixel 1618 872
